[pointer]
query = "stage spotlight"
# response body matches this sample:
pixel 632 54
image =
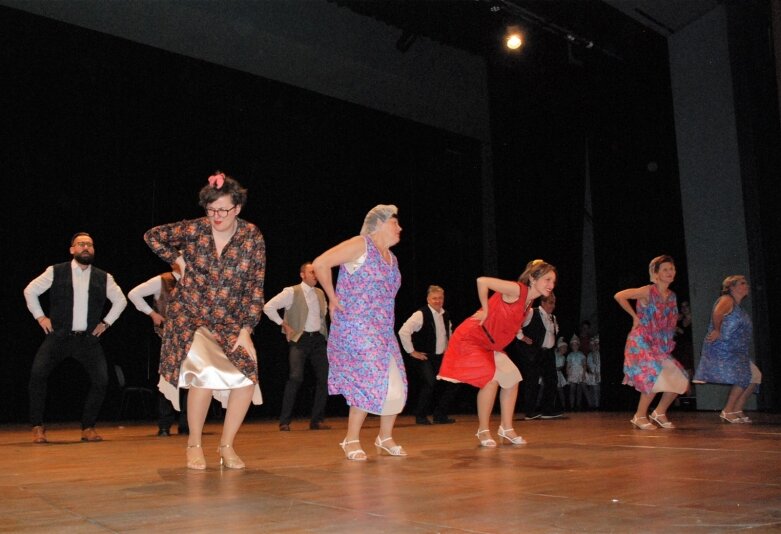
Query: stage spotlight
pixel 513 39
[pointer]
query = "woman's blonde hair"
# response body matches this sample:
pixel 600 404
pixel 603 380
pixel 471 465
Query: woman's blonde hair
pixel 730 282
pixel 535 269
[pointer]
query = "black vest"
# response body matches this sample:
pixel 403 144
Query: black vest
pixel 425 339
pixel 535 329
pixel 61 298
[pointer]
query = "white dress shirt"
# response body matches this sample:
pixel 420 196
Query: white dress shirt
pixel 150 288
pixel 551 329
pixel 81 277
pixel 285 300
pixel 415 323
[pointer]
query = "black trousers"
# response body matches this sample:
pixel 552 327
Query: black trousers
pixel 427 371
pixel 166 413
pixel 311 346
pixel 56 347
pixel 536 363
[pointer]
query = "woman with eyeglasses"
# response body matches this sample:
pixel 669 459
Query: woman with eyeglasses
pixel 725 352
pixel 207 345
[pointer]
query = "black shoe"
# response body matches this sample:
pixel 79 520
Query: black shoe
pixel 533 415
pixel 183 430
pixel 443 421
pixel 284 427
pixel 163 432
pixel 552 415
pixel 422 421
pixel 318 426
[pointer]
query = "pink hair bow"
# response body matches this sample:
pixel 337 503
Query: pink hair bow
pixel 217 180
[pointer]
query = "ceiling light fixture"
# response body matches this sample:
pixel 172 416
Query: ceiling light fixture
pixel 513 39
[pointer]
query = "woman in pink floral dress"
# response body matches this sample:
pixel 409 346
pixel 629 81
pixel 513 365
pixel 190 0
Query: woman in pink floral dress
pixel 648 364
pixel 206 343
pixel 365 364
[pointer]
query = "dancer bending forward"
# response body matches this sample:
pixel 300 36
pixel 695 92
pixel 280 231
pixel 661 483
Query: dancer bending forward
pixel 475 356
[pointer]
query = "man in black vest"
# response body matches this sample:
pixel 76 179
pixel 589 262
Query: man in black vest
pixel 424 336
pixel 536 342
pixel 77 294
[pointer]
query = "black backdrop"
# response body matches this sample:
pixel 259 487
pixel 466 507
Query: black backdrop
pixel 112 137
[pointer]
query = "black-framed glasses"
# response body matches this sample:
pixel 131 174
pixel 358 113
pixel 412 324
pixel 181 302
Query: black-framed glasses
pixel 222 212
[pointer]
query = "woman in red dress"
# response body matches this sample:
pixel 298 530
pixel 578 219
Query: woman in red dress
pixel 475 353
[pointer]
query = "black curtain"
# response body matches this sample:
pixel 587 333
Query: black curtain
pixel 113 137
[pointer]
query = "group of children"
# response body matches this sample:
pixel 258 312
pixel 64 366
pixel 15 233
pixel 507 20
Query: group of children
pixel 579 372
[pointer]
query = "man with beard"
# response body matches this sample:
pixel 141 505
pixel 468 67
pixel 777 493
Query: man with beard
pixel 77 294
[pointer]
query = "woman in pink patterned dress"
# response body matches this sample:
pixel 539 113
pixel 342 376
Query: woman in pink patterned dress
pixel 206 343
pixel 648 364
pixel 365 364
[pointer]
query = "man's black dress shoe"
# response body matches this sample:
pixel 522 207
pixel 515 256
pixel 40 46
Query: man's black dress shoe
pixel 319 426
pixel 284 428
pixel 163 432
pixel 422 421
pixel 443 421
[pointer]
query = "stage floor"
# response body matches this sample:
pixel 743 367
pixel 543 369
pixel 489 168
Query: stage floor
pixel 588 472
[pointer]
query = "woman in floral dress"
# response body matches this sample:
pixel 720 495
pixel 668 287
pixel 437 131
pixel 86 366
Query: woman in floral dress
pixel 725 353
pixel 213 310
pixel 365 364
pixel 648 364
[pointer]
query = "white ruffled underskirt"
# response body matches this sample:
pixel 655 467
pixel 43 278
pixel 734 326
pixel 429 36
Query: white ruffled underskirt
pixel 206 366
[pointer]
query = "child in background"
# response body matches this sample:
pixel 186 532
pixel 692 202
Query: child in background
pixel 594 374
pixel 561 363
pixel 576 374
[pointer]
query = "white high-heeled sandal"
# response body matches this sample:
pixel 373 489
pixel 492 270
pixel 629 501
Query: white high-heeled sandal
pixel 488 442
pixel 357 454
pixel 726 417
pixel 396 450
pixel 517 440
pixel 655 418
pixel 642 426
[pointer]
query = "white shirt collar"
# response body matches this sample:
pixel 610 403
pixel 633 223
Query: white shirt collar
pixel 76 265
pixel 306 288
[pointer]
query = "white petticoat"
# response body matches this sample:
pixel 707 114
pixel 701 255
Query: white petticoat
pixel 206 366
pixel 507 374
pixel 671 379
pixel 394 399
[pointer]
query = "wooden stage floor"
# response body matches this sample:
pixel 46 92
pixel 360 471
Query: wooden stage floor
pixel 589 472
